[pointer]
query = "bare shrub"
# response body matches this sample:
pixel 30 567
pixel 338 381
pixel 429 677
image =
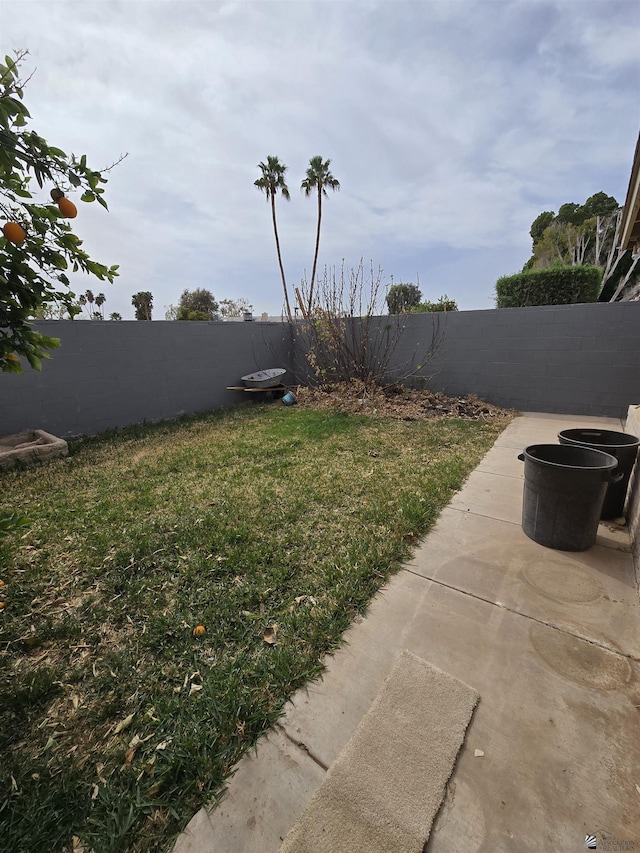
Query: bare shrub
pixel 346 335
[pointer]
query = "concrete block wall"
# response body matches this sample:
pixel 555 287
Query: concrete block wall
pixel 569 359
pixel 112 374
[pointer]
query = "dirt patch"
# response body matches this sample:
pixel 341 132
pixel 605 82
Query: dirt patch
pixel 396 402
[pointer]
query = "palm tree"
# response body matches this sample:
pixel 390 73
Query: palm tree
pixel 271 181
pixel 86 300
pixel 318 177
pixel 100 300
pixel 143 303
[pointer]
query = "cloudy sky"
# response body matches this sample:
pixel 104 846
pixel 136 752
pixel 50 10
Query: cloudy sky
pixel 450 125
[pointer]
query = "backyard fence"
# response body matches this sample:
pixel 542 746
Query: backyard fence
pixel 569 359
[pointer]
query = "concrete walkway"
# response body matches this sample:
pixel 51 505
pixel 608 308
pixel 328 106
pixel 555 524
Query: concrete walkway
pixel 550 640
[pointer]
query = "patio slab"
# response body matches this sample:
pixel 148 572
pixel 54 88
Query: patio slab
pixel 556 722
pixel 247 813
pixel 591 594
pixel 491 495
pixel 549 640
pixel 534 428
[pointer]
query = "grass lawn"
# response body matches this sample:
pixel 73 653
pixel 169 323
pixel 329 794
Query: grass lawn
pixel 116 722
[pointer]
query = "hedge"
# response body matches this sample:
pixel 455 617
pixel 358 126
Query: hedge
pixel 557 286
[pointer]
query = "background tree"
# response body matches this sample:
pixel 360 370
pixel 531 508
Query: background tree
pixel 115 316
pixel 539 224
pixel 57 311
pixel 235 307
pixel 38 245
pixel 443 303
pixel 586 235
pixel 143 303
pixel 198 304
pixel 272 182
pixel 570 214
pixel 93 305
pixel 318 178
pixel 402 297
pixel 100 300
pixel 576 235
pixel 599 204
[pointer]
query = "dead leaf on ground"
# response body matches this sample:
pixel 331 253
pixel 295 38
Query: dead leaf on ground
pixel 195 688
pixel 128 758
pixel 124 724
pixel 148 769
pixel 136 740
pixel 270 636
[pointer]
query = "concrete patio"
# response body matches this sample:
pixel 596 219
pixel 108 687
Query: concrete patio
pixel 550 640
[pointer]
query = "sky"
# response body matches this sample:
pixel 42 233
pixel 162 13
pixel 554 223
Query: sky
pixel 450 125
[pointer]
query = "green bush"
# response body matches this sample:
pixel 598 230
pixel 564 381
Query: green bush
pixel 555 286
pixel 427 307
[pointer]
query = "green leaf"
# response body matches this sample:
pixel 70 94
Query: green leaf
pixel 87 196
pixel 74 180
pixel 59 261
pixel 34 361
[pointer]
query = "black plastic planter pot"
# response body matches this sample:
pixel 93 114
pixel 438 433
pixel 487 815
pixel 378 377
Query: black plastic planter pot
pixel 619 444
pixel 564 489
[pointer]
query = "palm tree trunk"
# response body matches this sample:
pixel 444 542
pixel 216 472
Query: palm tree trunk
pixel 315 257
pixel 275 231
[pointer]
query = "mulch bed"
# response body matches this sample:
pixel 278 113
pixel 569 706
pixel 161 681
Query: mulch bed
pixel 396 402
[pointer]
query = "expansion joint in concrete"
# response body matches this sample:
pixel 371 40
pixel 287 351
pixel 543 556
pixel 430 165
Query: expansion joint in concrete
pixel 603 646
pixel 481 515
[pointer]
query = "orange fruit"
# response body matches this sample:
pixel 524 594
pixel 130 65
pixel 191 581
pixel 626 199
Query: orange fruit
pixel 14 233
pixel 56 194
pixel 67 208
pixel 199 630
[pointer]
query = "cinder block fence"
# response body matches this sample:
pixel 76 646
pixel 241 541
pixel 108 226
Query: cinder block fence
pixel 570 359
